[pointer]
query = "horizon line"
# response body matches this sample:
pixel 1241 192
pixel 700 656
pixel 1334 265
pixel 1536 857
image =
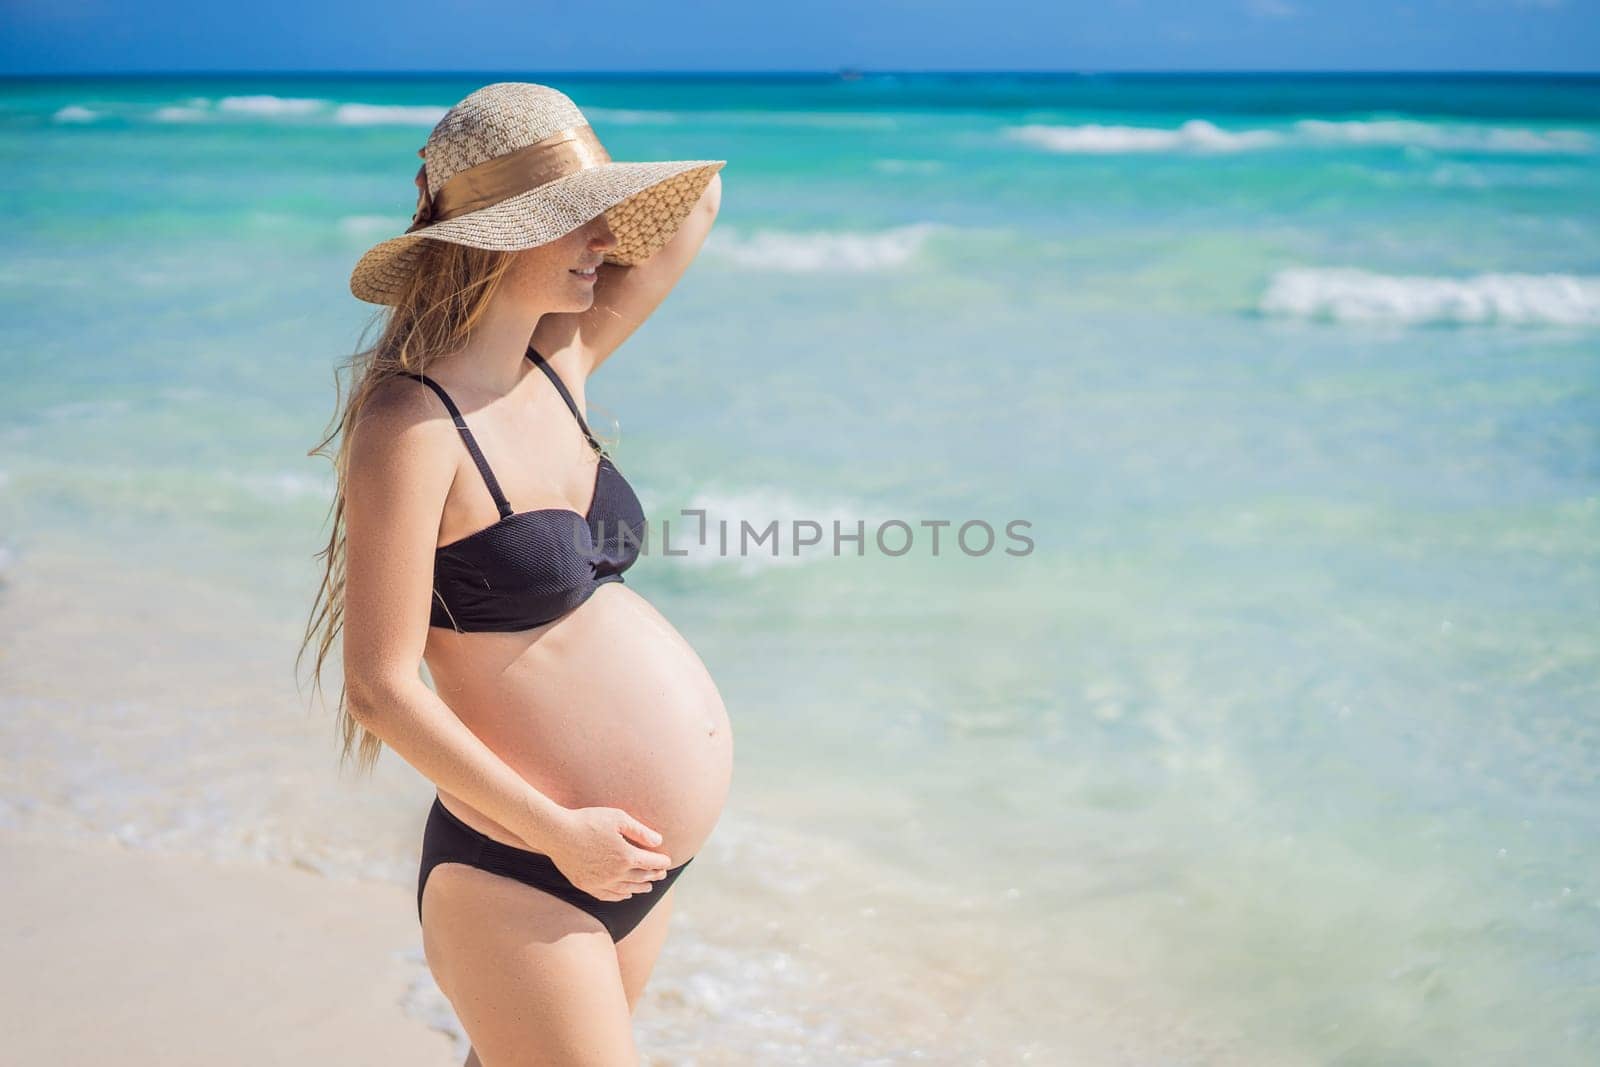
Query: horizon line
pixel 832 72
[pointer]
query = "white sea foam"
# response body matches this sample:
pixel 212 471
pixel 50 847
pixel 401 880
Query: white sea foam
pixel 736 977
pixel 388 114
pixel 1447 136
pixel 1350 295
pixel 425 1002
pixel 277 107
pixel 1196 135
pixel 364 227
pixel 180 114
pixel 74 113
pixel 271 105
pixel 820 250
pixel 1467 176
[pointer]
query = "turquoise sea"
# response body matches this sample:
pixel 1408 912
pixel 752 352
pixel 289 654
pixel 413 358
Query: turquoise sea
pixel 1279 747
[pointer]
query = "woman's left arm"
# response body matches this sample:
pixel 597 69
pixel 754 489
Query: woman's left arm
pixel 625 296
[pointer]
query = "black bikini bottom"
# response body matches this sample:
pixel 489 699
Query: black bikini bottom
pixel 446 839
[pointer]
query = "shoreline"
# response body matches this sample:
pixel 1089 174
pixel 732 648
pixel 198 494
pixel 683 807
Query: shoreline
pixel 132 956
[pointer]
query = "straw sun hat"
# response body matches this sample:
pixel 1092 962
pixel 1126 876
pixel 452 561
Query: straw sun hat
pixel 515 165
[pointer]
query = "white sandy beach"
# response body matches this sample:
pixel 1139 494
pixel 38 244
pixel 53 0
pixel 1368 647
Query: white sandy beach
pixel 132 957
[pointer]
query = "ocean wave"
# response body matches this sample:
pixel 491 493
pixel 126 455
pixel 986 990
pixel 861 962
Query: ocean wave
pixel 1448 136
pixel 270 108
pixel 365 227
pixel 426 1003
pixel 1467 176
pixel 388 114
pixel 1198 135
pixel 759 995
pixel 819 250
pixel 1350 295
pixel 271 105
pixel 180 114
pixel 75 113
pixel 1095 139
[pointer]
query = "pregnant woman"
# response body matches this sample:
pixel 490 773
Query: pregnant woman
pixel 580 750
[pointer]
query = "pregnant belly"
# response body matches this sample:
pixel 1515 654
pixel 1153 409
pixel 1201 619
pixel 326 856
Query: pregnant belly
pixel 607 706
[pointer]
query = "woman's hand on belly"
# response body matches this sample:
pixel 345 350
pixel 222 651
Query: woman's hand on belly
pixel 593 849
pixel 607 707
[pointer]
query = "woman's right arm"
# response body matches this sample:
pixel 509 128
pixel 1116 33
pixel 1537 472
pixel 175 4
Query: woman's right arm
pixel 399 473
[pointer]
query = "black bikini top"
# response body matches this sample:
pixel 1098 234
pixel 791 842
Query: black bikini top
pixel 532 567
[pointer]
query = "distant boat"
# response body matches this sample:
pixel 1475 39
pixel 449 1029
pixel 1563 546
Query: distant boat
pixel 849 74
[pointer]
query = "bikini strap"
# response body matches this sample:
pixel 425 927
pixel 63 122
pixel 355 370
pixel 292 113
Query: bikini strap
pixel 500 500
pixel 550 372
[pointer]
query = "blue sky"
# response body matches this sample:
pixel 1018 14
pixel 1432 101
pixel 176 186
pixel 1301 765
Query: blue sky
pixel 73 36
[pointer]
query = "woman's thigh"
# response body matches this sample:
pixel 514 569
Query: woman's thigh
pixel 637 952
pixel 533 979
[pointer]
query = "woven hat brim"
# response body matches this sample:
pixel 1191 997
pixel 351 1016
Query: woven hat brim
pixel 644 204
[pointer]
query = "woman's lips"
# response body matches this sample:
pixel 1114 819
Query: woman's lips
pixel 588 275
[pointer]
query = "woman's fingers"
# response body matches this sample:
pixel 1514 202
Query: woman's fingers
pixel 645 860
pixel 640 882
pixel 637 880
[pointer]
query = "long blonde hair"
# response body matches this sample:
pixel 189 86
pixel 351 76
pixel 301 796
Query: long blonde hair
pixel 443 300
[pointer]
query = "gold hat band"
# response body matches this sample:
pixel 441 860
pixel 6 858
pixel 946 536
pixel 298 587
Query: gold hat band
pixel 562 153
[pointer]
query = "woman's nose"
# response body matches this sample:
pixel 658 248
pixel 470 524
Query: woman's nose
pixel 603 236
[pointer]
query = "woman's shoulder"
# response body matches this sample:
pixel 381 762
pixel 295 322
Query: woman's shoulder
pixel 400 398
pixel 400 420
